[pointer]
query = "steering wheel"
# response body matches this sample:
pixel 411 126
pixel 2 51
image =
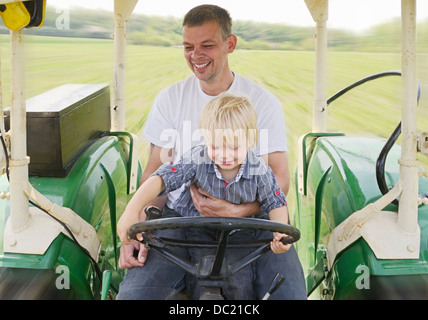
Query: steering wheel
pixel 212 268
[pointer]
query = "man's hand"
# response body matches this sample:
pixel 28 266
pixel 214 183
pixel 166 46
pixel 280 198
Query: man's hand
pixel 209 206
pixel 127 259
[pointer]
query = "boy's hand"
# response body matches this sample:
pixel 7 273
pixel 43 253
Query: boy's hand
pixel 123 226
pixel 122 232
pixel 277 246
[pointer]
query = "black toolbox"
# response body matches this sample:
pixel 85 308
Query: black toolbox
pixel 62 123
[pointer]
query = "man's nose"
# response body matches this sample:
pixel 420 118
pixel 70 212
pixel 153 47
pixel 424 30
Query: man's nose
pixel 196 53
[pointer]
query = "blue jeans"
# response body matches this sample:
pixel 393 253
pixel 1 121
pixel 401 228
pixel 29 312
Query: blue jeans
pixel 160 279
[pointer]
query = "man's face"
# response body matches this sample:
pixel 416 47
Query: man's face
pixel 206 52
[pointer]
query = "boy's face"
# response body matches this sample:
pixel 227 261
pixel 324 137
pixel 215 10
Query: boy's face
pixel 228 156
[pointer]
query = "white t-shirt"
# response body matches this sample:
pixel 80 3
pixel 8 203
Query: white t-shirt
pixel 174 118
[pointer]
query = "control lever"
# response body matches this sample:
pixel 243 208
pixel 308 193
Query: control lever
pixel 276 283
pixel 153 212
pixel 287 240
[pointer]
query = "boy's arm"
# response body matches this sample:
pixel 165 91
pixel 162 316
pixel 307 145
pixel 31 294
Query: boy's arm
pixel 279 214
pixel 148 191
pixel 126 258
pixel 158 156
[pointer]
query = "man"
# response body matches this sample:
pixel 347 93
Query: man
pixel 172 130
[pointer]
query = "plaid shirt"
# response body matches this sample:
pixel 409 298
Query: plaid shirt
pixel 254 181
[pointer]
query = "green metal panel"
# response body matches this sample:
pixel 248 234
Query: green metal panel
pixel 96 189
pixel 340 180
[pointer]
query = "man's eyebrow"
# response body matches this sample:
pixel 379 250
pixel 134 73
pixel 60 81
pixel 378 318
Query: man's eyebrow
pixel 203 42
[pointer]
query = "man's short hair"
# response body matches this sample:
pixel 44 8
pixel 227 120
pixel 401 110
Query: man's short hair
pixel 207 13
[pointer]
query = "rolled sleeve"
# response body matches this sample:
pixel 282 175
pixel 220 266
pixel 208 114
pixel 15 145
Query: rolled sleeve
pixel 269 194
pixel 175 175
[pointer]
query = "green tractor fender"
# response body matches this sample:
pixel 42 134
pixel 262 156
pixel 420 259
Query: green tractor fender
pixel 71 239
pixel 341 181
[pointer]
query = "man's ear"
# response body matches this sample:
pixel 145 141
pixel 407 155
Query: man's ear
pixel 232 41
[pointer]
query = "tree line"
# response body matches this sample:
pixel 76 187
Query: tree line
pixel 166 31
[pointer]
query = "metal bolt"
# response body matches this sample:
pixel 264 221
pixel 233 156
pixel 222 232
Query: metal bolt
pixel 12 243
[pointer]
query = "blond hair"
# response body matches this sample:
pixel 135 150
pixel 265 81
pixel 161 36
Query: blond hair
pixel 229 117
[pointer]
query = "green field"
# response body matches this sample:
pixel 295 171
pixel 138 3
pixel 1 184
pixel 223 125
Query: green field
pixel 372 109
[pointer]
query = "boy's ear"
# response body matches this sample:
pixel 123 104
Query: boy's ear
pixel 232 42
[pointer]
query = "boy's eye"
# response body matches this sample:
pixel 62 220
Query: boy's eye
pixel 233 148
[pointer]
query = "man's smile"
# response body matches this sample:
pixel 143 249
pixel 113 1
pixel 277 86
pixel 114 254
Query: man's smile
pixel 201 66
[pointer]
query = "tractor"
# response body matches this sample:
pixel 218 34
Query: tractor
pixel 68 171
pixel 361 200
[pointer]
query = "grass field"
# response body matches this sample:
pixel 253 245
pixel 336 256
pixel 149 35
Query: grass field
pixel 372 109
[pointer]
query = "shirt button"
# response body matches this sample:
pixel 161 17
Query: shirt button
pixel 277 192
pixel 174 169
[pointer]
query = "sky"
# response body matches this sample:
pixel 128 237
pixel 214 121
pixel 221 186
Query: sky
pixel 354 15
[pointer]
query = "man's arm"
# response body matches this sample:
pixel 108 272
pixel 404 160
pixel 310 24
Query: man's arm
pixel 278 161
pixel 208 205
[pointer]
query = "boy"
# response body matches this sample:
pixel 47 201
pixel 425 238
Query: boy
pixel 226 167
